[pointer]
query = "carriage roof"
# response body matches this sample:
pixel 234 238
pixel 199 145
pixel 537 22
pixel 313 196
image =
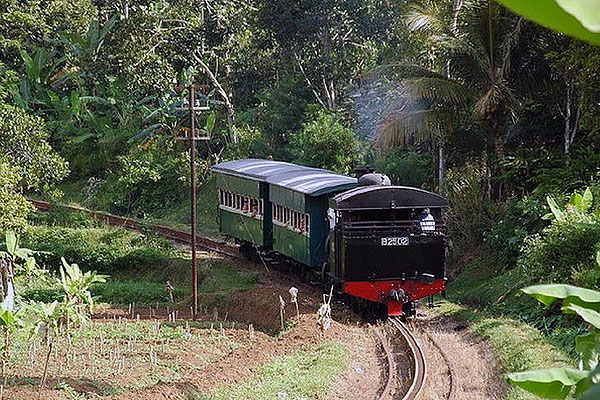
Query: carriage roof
pixel 381 197
pixel 305 180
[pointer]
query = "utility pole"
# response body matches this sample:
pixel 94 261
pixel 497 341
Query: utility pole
pixel 192 108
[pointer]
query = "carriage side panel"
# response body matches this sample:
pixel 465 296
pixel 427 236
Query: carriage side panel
pixel 242 208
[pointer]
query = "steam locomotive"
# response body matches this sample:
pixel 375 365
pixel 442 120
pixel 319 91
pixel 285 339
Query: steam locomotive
pixel 379 244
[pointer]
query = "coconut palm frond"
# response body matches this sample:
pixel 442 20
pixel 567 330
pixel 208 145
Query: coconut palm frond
pixel 457 46
pixel 412 125
pixel 438 89
pixel 509 42
pixel 425 19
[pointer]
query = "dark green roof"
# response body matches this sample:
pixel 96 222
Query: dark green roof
pixel 306 180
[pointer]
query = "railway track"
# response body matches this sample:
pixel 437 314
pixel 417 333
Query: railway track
pixel 175 235
pixel 394 388
pixel 418 356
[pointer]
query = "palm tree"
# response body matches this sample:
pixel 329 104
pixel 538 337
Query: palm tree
pixel 469 67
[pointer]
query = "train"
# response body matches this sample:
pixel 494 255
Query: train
pixel 381 245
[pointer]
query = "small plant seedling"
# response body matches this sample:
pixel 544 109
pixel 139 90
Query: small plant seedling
pixel 169 288
pixel 282 312
pixel 294 300
pixel 324 312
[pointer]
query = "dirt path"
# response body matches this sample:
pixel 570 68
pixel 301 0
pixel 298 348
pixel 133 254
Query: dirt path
pixel 476 373
pixel 363 379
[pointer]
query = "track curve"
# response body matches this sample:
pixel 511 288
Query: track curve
pixel 418 355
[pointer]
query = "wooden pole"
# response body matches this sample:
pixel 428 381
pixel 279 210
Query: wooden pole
pixel 192 104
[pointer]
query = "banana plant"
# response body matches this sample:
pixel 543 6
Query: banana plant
pixel 76 285
pixel 87 46
pixel 574 18
pixel 579 208
pixel 559 383
pixel 9 265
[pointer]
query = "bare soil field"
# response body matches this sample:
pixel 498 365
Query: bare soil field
pixel 151 354
pixel 154 353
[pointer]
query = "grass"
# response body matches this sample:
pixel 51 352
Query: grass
pixel 103 249
pixel 176 216
pixel 484 286
pixel 147 287
pixel 523 334
pixel 138 264
pixel 301 375
pixel 218 281
pixel 517 345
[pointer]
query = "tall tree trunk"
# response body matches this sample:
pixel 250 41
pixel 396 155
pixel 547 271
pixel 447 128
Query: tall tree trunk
pixel 497 129
pixel 328 81
pixel 571 123
pixel 441 167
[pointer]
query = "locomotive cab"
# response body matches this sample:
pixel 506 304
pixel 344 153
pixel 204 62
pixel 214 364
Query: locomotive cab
pixel 387 244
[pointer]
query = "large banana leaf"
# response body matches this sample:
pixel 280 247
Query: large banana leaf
pixel 550 383
pixel 578 18
pixel 548 294
pixel 590 316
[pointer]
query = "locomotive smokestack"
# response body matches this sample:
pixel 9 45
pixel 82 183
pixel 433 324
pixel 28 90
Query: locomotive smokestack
pixel 374 179
pixel 360 171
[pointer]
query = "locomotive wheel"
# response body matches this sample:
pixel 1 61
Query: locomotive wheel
pixel 306 274
pixel 247 251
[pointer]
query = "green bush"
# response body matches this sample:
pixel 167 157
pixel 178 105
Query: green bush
pixel 520 219
pixel 325 142
pixel 563 252
pixel 407 168
pixel 24 143
pixel 469 216
pixel 153 176
pixel 14 207
pixel 104 250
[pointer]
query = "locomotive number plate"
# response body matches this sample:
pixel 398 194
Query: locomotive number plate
pixel 394 241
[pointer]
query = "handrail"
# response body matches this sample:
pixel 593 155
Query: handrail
pixel 412 226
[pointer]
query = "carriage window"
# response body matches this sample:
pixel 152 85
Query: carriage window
pixel 291 219
pixel 243 204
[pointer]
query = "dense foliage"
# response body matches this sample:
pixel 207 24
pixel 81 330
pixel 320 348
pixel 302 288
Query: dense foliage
pixel 463 97
pixel 313 144
pixel 100 249
pixel 14 208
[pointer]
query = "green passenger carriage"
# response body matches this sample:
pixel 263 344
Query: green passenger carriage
pixel 278 206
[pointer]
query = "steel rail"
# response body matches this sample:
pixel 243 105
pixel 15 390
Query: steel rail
pixel 420 371
pixel 161 230
pixel 390 366
pixel 452 389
